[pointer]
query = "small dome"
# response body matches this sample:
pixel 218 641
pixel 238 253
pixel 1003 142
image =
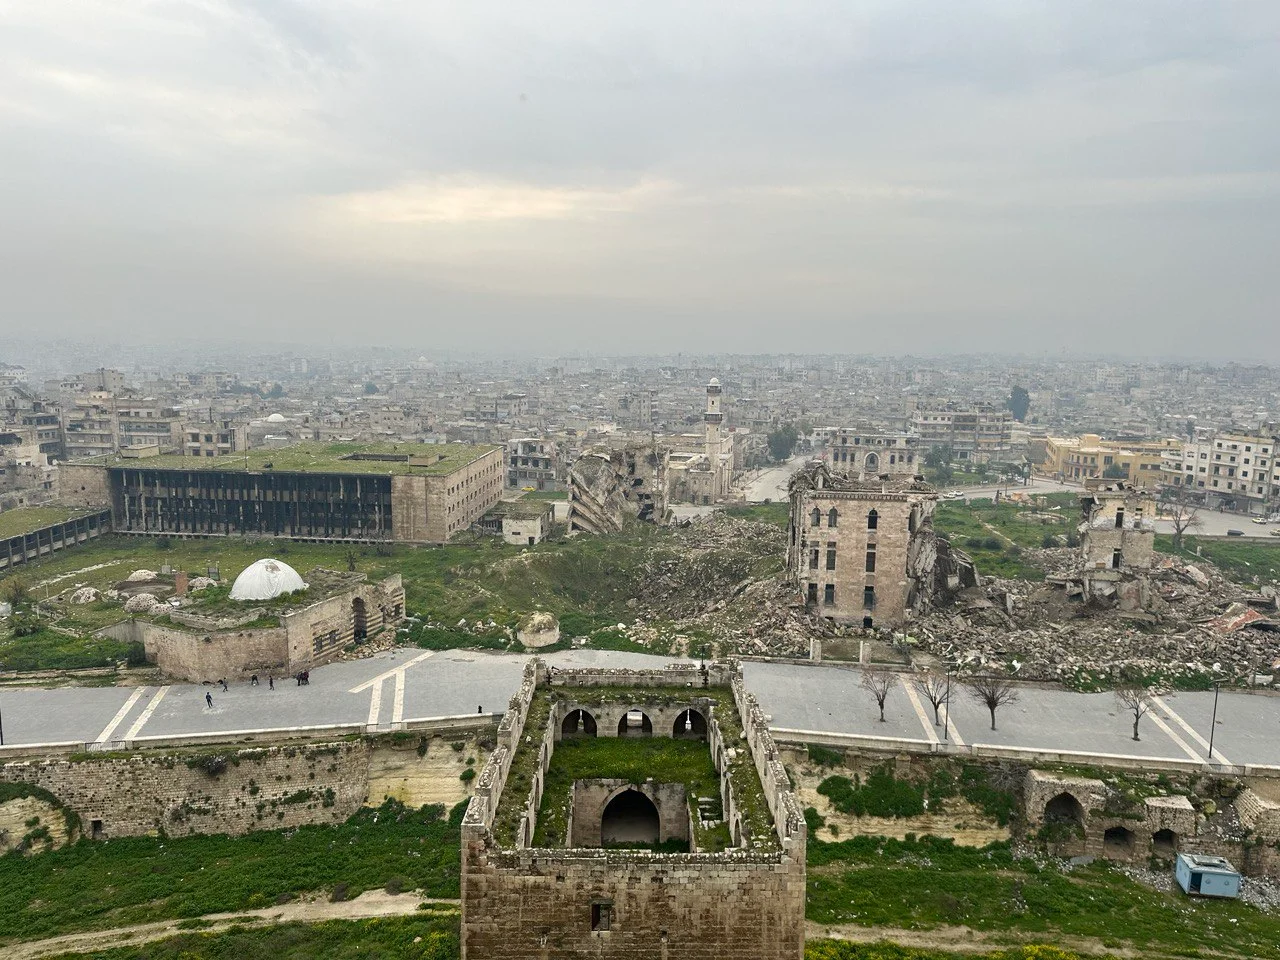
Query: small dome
pixel 713 382
pixel 276 418
pixel 265 580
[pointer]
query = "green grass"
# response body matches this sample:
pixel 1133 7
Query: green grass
pixel 310 457
pixel 843 950
pixel 778 514
pixel 424 936
pixel 51 650
pixel 613 758
pixel 14 523
pixel 969 525
pixel 92 885
pixel 924 883
pixel 1242 559
pixel 546 495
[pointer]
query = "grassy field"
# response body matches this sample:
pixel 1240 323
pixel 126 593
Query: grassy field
pixel 92 885
pixel 919 884
pixel 1244 560
pixel 996 535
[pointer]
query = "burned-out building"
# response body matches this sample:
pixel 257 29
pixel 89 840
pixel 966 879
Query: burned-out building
pixel 607 486
pixel 854 451
pixel 413 493
pixel 864 551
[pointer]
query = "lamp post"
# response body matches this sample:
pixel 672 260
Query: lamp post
pixel 1214 721
pixel 946 714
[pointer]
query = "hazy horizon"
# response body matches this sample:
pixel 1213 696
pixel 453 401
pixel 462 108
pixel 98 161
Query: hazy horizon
pixel 1033 178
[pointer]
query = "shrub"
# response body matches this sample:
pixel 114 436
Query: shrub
pixel 825 756
pixel 467 775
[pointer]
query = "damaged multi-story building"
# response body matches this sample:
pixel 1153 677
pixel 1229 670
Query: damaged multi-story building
pixel 863 550
pixel 854 451
pixel 608 485
pixel 1117 541
pixel 414 493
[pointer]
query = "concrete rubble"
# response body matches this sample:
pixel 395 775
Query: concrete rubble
pixel 1197 624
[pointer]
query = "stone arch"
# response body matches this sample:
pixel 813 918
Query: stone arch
pixel 359 619
pixel 578 723
pixel 690 725
pixel 872 462
pixel 630 817
pixel 1118 843
pixel 1164 843
pixel 1064 808
pixel 635 723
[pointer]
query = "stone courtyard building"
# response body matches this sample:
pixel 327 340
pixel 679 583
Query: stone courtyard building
pixel 864 551
pixel 557 866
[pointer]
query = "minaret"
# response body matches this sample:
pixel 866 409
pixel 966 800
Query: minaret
pixel 712 420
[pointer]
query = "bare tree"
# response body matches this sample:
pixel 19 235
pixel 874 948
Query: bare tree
pixel 993 693
pixel 1175 503
pixel 879 683
pixel 1136 699
pixel 934 687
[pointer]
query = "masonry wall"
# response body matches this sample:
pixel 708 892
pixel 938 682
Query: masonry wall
pixel 194 656
pixel 591 797
pixel 252 789
pixel 84 485
pixel 537 905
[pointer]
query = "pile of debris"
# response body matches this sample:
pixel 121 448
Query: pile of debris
pixel 1198 624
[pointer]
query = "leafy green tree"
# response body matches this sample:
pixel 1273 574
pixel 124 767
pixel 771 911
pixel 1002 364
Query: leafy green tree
pixel 782 442
pixel 1019 403
pixel 275 393
pixel 370 387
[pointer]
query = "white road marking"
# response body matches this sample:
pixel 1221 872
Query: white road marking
pixel 1155 718
pixel 919 708
pixel 953 732
pixel 146 714
pixel 118 719
pixel 375 704
pixel 377 681
pixel 1159 702
pixel 397 704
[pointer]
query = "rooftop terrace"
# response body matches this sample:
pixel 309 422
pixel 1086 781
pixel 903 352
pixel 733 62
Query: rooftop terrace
pixel 15 523
pixel 385 459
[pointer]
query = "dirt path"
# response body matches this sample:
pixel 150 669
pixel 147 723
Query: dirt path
pixel 371 903
pixel 956 938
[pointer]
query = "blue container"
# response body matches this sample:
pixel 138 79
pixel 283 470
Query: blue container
pixel 1205 876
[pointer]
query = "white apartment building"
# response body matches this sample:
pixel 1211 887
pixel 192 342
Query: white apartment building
pixel 1238 470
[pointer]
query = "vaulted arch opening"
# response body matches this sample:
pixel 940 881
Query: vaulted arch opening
pixel 578 723
pixel 1164 843
pixel 1064 808
pixel 635 723
pixel 1118 843
pixel 630 818
pixel 690 725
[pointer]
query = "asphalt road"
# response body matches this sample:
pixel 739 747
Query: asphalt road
pixel 409 684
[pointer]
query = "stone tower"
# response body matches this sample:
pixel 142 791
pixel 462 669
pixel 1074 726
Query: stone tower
pixel 712 420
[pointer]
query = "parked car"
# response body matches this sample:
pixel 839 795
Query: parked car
pixel 1261 520
pixel 1235 533
pixel 1275 533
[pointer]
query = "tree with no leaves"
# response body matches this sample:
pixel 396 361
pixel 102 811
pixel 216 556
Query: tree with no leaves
pixel 1136 699
pixel 993 693
pixel 934 687
pixel 879 683
pixel 1176 505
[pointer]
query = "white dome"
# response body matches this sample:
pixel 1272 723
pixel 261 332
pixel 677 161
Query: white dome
pixel 713 382
pixel 266 579
pixel 276 418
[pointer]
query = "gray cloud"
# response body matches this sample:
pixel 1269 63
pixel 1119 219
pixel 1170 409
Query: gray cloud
pixel 877 176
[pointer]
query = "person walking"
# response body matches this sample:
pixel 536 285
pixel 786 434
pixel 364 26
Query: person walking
pixel 223 681
pixel 208 699
pixel 253 680
pixel 271 683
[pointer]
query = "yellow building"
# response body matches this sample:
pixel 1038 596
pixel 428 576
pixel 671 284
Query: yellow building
pixel 1090 457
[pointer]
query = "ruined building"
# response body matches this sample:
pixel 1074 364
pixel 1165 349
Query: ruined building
pixel 854 452
pixel 556 865
pixel 1117 540
pixel 704 476
pixel 607 486
pixel 414 493
pixel 864 550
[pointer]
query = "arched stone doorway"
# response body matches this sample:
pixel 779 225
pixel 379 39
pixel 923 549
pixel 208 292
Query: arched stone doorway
pixel 1064 808
pixel 630 818
pixel 359 619
pixel 635 723
pixel 1118 843
pixel 1164 843
pixel 690 725
pixel 578 723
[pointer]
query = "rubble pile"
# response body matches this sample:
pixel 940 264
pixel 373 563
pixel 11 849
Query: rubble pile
pixel 1199 624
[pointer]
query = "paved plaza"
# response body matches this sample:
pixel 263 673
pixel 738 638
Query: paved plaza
pixel 410 684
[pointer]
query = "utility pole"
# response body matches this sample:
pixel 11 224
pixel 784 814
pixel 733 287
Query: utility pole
pixel 1213 722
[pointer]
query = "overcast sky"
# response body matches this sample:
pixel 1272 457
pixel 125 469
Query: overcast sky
pixel 1077 175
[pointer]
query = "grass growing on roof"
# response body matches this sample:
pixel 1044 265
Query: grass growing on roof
pixel 14 523
pixel 661 759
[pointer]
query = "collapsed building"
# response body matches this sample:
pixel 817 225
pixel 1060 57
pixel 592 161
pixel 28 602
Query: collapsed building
pixel 1117 544
pixel 607 486
pixel 865 550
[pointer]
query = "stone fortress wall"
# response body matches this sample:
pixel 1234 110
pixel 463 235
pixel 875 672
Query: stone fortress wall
pixel 749 902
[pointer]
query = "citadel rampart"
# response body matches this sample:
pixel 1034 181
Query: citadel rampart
pixel 523 901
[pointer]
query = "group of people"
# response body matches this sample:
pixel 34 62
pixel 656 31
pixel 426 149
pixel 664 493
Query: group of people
pixel 304 677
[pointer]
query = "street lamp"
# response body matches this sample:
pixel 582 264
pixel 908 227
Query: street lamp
pixel 946 714
pixel 1214 721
